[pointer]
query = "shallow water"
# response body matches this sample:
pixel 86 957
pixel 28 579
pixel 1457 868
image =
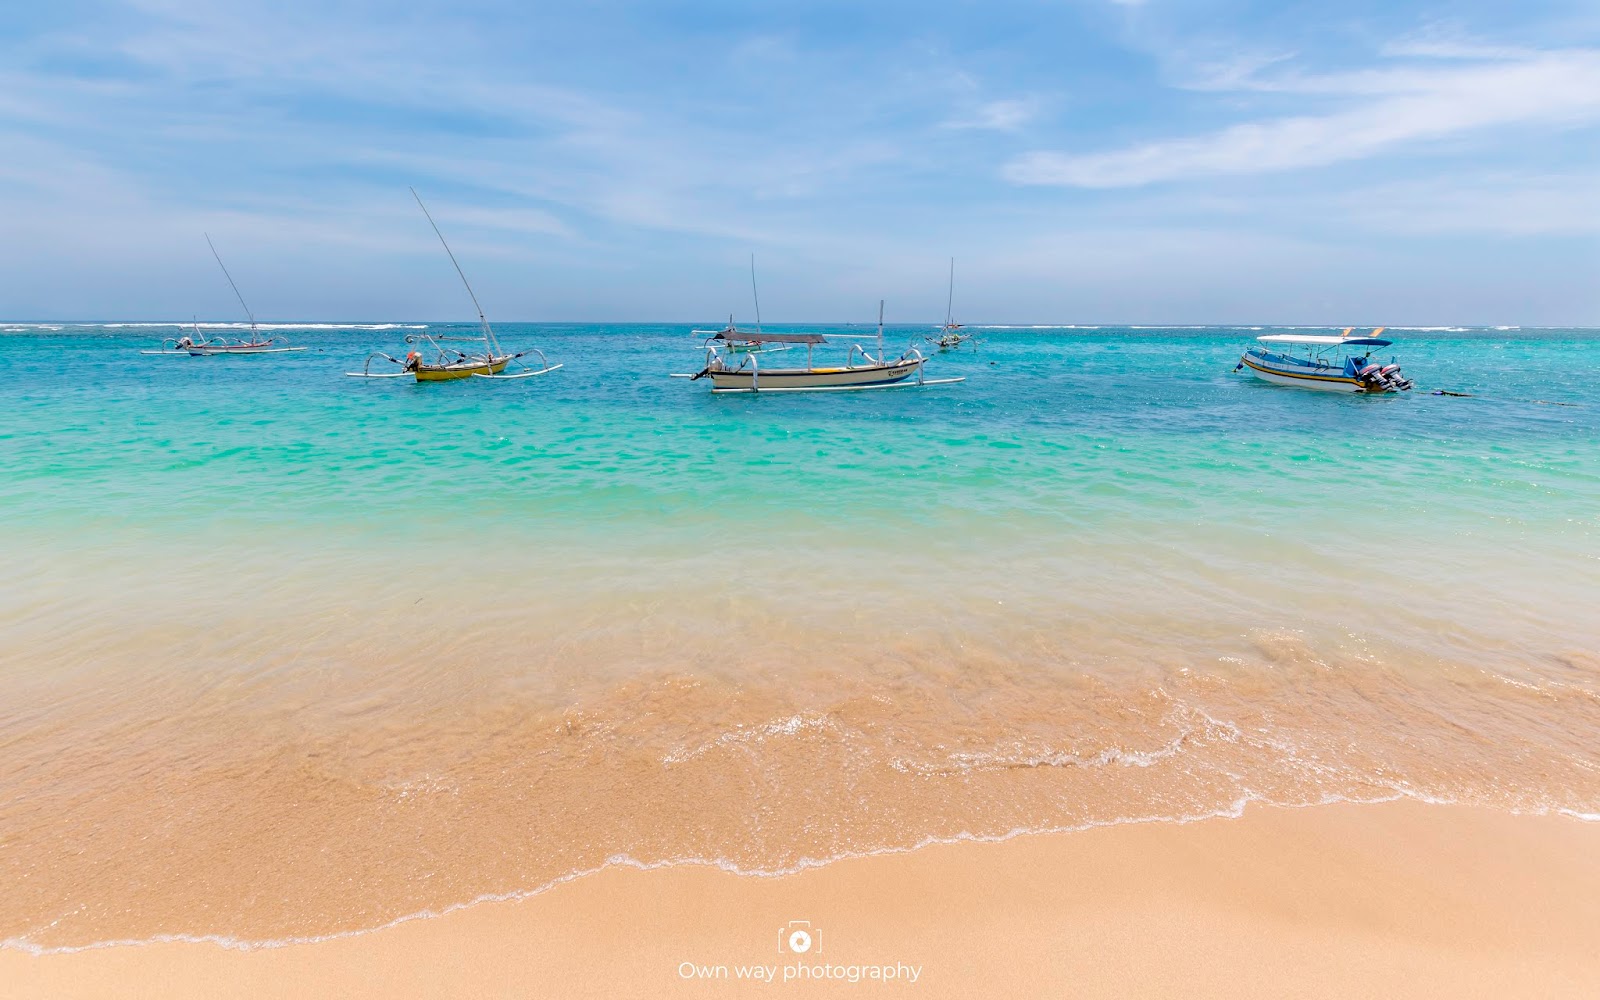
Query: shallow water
pixel 285 654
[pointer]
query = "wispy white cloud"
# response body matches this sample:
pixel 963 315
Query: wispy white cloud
pixel 1392 109
pixel 1001 116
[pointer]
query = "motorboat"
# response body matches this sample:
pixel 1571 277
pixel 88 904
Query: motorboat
pixel 1341 364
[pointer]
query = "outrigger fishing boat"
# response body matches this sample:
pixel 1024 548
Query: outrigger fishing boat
pixel 445 364
pixel 200 346
pixel 1341 364
pixel 950 337
pixel 742 372
pixel 181 345
pixel 737 341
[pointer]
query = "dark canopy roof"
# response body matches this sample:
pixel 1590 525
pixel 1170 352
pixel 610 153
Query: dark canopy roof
pixel 745 337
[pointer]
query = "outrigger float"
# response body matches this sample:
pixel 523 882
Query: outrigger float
pixel 732 371
pixel 446 364
pixel 199 346
pixel 1339 364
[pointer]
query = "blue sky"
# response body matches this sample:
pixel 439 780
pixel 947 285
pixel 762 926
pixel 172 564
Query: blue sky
pixel 1084 161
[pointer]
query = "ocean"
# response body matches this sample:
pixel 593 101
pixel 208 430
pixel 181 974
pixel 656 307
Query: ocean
pixel 285 654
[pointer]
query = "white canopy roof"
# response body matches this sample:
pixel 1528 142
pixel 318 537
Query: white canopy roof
pixel 1296 338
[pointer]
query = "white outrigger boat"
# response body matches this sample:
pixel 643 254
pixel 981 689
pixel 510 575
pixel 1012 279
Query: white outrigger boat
pixel 200 346
pixel 950 337
pixel 445 364
pixel 731 371
pixel 1340 364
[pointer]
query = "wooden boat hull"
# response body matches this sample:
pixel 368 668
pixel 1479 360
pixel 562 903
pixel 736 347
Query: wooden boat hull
pixel 446 373
pixel 205 352
pixel 814 378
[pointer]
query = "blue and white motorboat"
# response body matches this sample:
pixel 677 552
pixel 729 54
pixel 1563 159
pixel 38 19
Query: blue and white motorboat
pixel 1342 364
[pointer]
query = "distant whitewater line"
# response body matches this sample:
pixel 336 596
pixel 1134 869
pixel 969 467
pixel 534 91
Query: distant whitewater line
pixel 17 327
pixel 1230 326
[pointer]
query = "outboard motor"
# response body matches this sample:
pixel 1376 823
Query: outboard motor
pixel 1394 379
pixel 1384 378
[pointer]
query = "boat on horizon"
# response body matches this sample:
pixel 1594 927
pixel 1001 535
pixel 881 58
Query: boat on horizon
pixel 200 346
pixel 1340 364
pixel 740 341
pixel 951 337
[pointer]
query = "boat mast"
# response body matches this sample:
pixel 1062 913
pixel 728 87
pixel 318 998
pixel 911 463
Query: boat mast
pixel 880 331
pixel 949 303
pixel 753 293
pixel 489 341
pixel 235 288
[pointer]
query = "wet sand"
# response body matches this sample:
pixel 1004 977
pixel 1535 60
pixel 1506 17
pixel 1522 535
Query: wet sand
pixel 1392 899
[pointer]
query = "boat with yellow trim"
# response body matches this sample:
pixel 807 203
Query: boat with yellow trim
pixel 1339 364
pixel 446 364
pixel 459 369
pixel 742 372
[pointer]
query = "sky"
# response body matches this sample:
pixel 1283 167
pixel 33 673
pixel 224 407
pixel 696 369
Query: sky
pixel 1083 161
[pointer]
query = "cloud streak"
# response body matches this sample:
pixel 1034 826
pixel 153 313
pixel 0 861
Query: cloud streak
pixel 1393 111
pixel 1002 116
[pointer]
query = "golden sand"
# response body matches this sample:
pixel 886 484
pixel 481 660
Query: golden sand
pixel 294 814
pixel 1391 900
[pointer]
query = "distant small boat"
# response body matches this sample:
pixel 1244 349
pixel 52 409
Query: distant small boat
pixel 200 346
pixel 1339 364
pixel 255 345
pixel 950 337
pixel 740 341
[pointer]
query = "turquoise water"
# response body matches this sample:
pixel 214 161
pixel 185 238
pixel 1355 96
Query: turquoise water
pixel 1105 578
pixel 1124 423
pixel 1105 430
pixel 1132 458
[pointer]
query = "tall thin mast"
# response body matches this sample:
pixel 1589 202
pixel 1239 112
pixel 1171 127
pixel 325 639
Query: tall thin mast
pixel 949 304
pixel 489 340
pixel 235 288
pixel 753 293
pixel 880 331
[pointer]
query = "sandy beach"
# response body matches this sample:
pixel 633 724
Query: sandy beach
pixel 1391 899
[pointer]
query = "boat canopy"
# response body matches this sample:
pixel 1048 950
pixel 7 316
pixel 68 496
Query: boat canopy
pixel 745 337
pixel 1295 338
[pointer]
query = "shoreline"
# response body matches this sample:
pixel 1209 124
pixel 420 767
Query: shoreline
pixel 1319 900
pixel 724 867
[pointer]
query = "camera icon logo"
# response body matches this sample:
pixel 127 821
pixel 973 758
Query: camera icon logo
pixel 797 938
